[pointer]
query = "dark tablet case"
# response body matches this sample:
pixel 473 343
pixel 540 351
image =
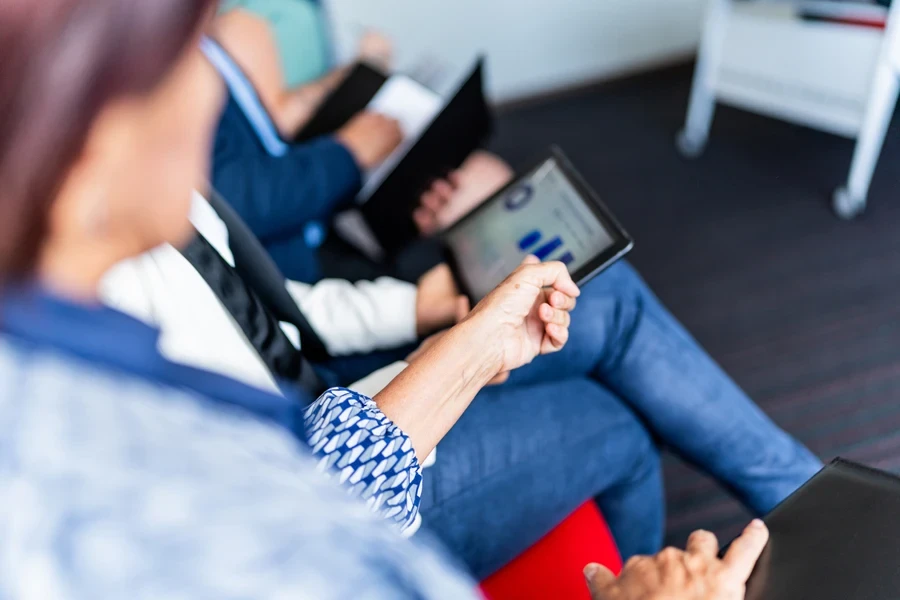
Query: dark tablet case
pixel 836 538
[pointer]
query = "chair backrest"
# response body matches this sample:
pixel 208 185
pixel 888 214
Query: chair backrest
pixel 552 568
pixel 258 269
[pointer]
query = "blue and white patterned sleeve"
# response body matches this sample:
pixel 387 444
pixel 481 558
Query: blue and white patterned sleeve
pixel 356 443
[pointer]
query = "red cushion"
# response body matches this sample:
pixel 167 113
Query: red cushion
pixel 552 568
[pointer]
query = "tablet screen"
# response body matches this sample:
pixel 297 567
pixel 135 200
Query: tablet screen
pixel 543 214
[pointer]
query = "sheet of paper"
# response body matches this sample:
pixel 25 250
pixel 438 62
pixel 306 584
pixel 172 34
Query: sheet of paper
pixel 414 106
pixel 411 103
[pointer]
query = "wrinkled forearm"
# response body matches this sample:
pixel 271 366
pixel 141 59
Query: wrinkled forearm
pixel 430 395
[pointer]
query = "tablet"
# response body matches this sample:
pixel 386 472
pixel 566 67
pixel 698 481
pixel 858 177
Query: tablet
pixel 550 212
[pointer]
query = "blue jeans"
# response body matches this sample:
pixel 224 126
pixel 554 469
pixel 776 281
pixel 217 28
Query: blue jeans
pixel 575 425
pixel 522 458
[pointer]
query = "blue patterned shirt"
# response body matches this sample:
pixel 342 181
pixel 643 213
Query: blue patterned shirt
pixel 124 476
pixel 370 455
pixel 118 478
pixel 113 487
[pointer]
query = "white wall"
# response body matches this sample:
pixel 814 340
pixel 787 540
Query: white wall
pixel 533 46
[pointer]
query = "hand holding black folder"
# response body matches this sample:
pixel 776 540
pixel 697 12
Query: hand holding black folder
pixel 694 574
pixel 352 96
pixel 836 538
pixel 463 122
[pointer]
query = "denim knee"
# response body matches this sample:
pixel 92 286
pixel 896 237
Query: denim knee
pixel 620 277
pixel 635 507
pixel 608 312
pixel 647 458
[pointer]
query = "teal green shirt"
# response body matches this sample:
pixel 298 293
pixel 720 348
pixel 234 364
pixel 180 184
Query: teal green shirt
pixel 300 34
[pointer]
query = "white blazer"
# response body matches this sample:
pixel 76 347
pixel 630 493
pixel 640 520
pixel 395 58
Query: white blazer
pixel 162 288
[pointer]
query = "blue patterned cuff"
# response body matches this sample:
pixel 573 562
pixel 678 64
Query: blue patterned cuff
pixel 359 445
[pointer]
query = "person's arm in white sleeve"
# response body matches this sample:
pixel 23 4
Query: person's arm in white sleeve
pixel 358 318
pixel 361 317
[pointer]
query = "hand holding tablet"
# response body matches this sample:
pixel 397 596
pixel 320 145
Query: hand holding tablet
pixel 551 213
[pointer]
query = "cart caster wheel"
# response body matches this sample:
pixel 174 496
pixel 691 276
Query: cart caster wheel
pixel 689 147
pixel 845 206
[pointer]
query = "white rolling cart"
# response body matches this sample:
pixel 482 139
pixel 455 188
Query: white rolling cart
pixel 840 78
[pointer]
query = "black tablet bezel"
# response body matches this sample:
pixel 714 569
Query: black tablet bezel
pixel 622 242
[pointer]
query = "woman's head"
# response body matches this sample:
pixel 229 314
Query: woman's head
pixel 107 111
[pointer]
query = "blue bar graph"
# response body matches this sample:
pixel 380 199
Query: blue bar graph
pixel 549 248
pixel 530 239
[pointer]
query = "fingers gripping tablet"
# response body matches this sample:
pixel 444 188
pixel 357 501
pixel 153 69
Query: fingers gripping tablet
pixel 549 212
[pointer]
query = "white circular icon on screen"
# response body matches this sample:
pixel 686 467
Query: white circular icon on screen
pixel 518 197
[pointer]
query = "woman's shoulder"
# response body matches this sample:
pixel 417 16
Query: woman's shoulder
pixel 54 400
pixel 125 483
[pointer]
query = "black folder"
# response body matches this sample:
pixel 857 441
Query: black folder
pixel 464 122
pixel 463 125
pixel 349 98
pixel 836 538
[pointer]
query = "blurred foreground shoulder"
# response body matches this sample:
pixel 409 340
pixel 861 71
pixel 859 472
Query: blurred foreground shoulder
pixel 118 487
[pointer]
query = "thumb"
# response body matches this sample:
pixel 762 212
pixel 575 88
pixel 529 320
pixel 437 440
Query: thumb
pixel 462 308
pixel 599 579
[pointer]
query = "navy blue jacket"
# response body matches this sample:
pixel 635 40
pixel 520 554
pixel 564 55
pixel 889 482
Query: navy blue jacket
pixel 278 196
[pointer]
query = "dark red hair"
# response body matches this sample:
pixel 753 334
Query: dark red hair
pixel 61 62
